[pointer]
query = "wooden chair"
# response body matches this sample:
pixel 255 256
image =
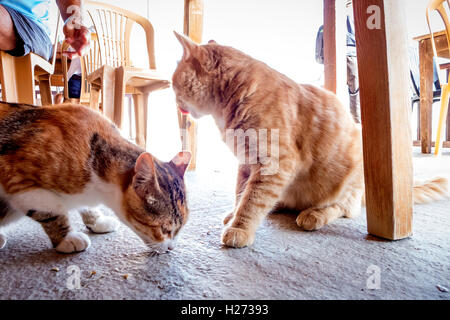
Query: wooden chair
pixel 193 28
pixel 117 76
pixel 18 76
pixel 90 62
pixel 442 7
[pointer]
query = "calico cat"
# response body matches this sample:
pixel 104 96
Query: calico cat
pixel 319 160
pixel 67 157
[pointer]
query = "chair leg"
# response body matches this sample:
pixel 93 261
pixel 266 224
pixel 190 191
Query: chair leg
pixel 188 132
pixel 108 84
pixel 7 78
pixel 140 113
pixel 119 95
pixel 26 85
pixel 129 100
pixel 94 99
pixel 46 90
pixel 442 119
pixel 15 89
pixel 448 126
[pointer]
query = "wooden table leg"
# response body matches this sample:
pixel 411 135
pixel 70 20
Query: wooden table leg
pixel 426 94
pixel 193 28
pixel 335 33
pixel 383 72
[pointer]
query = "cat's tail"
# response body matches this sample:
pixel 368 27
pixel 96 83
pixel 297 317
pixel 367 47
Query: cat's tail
pixel 432 190
pixel 428 191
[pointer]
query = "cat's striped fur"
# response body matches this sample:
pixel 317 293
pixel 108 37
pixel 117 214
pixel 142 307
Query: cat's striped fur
pixel 67 157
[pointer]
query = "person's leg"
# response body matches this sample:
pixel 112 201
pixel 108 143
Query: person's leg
pixel 8 37
pixel 75 87
pixel 353 87
pixel 28 36
pixel 59 99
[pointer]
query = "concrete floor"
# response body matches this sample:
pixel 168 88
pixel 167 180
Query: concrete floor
pixel 284 263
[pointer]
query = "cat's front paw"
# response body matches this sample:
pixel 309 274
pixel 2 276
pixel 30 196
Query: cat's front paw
pixel 2 241
pixel 237 238
pixel 74 242
pixel 311 220
pixel 104 224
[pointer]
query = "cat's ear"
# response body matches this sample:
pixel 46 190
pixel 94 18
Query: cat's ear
pixel 145 164
pixel 145 175
pixel 181 161
pixel 188 45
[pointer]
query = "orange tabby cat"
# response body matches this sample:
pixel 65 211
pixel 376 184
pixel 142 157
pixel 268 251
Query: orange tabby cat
pixel 60 158
pixel 319 164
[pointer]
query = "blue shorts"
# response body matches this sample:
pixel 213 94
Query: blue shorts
pixel 30 37
pixel 75 86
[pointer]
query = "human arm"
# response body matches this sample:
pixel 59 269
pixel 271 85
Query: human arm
pixel 76 33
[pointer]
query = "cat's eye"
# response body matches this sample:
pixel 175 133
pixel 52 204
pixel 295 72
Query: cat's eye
pixel 166 231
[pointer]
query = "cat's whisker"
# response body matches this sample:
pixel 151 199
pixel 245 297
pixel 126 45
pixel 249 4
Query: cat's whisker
pixel 159 248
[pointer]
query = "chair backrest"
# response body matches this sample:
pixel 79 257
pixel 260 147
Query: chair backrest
pixel 90 62
pixel 442 7
pixel 113 27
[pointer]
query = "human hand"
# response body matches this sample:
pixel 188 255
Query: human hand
pixel 77 36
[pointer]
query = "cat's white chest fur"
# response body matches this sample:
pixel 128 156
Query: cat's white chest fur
pixel 96 192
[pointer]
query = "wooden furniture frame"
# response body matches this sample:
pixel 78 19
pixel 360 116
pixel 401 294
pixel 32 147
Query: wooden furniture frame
pixel 385 103
pixel 18 75
pixel 335 40
pixel 426 87
pixel 193 28
pixel 90 62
